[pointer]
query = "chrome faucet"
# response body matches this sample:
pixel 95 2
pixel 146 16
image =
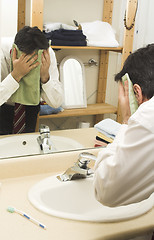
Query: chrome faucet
pixel 44 140
pixel 80 168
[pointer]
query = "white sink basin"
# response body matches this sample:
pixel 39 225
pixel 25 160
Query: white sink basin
pixel 26 144
pixel 75 200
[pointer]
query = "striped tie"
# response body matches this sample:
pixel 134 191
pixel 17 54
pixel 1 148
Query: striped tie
pixel 19 118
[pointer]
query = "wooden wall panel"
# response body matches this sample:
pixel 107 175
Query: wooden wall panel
pixel 128 38
pixel 37 13
pixel 104 58
pixel 21 14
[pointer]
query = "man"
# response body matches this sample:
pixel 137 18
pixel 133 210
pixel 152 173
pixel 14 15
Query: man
pixel 29 41
pixel 124 170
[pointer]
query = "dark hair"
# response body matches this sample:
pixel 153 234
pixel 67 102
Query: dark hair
pixel 29 39
pixel 140 67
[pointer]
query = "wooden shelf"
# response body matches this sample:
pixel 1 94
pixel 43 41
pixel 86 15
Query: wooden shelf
pixel 92 109
pixel 114 49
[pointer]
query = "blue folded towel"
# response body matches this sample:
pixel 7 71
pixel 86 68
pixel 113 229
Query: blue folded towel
pixel 46 110
pixel 108 127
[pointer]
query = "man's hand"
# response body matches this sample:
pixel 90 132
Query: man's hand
pixel 44 72
pixel 124 101
pixel 23 65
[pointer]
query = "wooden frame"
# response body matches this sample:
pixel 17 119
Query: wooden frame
pixel 37 13
pixel 21 13
pixel 128 39
pixel 104 58
pixel 37 19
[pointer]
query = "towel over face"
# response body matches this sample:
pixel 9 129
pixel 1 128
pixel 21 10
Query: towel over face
pixel 28 92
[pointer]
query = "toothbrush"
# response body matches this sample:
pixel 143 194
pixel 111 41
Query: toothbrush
pixel 12 210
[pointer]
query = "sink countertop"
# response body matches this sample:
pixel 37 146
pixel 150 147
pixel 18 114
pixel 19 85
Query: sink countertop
pixel 17 175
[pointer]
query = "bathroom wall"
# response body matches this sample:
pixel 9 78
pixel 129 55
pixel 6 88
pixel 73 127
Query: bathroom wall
pixel 144 33
pixel 9 15
pixel 8 20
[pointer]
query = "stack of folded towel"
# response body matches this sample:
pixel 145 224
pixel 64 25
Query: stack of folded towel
pixel 107 131
pixel 101 140
pixel 61 34
pixel 65 37
pixel 96 33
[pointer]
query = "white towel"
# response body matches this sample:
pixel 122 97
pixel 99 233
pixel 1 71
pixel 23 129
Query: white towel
pixel 108 127
pixel 99 34
pixel 52 26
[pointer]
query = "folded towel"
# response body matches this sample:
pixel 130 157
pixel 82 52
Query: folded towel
pixel 108 127
pixel 65 32
pixel 71 35
pixel 101 140
pixel 103 137
pixel 100 143
pixel 46 110
pixel 63 37
pixel 57 42
pixel 132 99
pixel 48 27
pixel 99 34
pixel 28 92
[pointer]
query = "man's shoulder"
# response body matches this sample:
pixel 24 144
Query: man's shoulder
pixel 145 115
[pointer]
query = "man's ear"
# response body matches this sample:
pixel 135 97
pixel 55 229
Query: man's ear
pixel 138 93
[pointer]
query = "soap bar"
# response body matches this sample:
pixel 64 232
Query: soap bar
pixel 132 99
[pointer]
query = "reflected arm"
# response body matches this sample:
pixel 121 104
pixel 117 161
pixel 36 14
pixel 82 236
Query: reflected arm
pixel 8 85
pixel 52 91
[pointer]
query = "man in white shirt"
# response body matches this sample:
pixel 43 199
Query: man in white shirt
pixel 28 40
pixel 124 170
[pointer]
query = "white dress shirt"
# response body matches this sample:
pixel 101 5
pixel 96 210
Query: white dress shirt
pixel 51 92
pixel 124 170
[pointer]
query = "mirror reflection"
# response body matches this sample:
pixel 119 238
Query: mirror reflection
pixel 37 143
pixel 29 75
pixel 34 144
pixel 13 144
pixel 73 80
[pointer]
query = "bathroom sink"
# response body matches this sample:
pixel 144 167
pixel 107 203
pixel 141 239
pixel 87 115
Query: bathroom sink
pixel 26 144
pixel 75 200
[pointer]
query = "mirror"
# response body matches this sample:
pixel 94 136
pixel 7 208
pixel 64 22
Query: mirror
pixel 75 97
pixel 8 31
pixel 72 76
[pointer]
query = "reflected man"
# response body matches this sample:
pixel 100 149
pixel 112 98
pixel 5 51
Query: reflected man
pixel 22 84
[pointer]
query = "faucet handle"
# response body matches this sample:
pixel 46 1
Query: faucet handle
pixel 44 129
pixel 84 159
